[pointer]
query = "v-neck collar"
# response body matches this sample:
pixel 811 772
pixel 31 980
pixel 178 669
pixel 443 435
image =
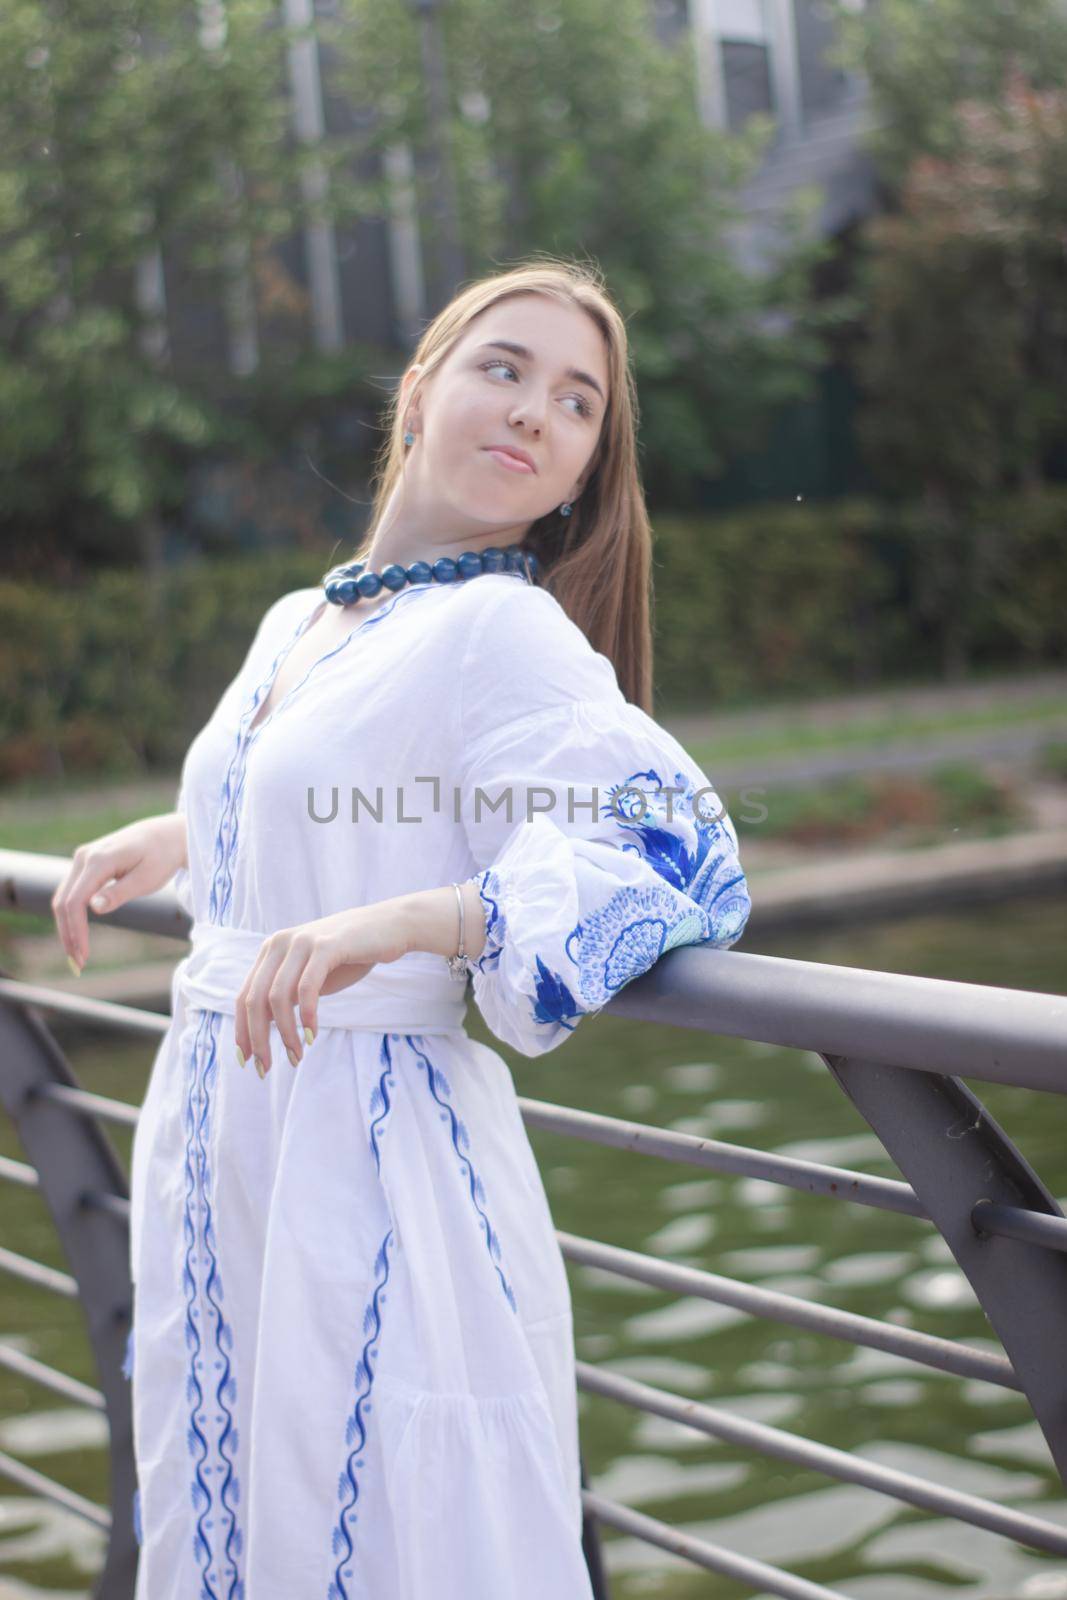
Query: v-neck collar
pixel 262 693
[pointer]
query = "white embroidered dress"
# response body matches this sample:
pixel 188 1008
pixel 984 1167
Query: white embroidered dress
pixel 352 1346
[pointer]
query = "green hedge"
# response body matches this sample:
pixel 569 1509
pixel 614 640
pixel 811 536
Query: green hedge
pixel 99 679
pixel 774 601
pixel 770 601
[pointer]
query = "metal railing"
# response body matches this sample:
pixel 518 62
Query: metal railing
pixel 893 1044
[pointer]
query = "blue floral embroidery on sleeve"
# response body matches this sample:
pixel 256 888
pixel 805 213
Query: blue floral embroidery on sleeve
pixel 638 924
pixel 708 875
pixel 555 1003
pixel 627 936
pixel 488 883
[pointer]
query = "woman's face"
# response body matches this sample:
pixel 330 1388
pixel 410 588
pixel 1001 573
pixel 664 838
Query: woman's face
pixel 549 402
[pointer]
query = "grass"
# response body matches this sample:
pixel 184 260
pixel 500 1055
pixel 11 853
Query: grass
pixel 956 797
pixel 1052 760
pixel 54 833
pixel 798 736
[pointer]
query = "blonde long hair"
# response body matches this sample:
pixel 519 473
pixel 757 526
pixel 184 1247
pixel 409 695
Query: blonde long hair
pixel 597 562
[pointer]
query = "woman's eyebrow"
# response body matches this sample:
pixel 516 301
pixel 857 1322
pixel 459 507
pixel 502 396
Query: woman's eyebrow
pixel 520 350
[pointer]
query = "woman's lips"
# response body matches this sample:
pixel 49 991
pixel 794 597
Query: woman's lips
pixel 512 463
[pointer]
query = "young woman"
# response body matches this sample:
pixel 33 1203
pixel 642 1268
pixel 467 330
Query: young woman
pixel 352 1348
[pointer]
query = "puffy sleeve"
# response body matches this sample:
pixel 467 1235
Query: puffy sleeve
pixel 598 842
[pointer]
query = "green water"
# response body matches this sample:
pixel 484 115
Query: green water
pixel 970 1436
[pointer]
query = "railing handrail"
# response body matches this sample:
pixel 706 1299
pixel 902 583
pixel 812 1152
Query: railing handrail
pixel 1006 1036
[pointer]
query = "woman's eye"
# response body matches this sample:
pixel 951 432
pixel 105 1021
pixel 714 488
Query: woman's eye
pixel 586 408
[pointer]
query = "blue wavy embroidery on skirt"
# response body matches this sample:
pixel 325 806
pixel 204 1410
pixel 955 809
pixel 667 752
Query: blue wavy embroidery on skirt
pixel 355 1428
pixel 200 1251
pixel 380 1099
pixel 435 1080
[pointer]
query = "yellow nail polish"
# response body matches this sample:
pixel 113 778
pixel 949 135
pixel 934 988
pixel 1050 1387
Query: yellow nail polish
pixel 260 1068
pixel 241 1057
pixel 309 1037
pixel 74 967
pixel 293 1057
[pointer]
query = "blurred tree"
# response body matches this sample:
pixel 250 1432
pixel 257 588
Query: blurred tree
pixel 966 364
pixel 146 156
pixel 126 127
pixel 922 60
pixel 574 131
pixel 964 350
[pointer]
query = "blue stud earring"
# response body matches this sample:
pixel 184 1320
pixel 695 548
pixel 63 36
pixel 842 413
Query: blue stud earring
pixel 566 508
pixel 409 438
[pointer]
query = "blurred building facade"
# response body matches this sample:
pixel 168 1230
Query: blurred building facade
pixel 368 281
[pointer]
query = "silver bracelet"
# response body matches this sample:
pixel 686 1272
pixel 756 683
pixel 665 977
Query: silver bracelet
pixel 459 965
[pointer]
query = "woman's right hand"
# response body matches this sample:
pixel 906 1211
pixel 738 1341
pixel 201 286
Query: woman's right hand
pixel 120 866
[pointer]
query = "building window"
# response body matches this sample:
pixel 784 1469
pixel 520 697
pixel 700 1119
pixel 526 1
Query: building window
pixel 747 76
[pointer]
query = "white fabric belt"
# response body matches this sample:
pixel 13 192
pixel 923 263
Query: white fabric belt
pixel 415 994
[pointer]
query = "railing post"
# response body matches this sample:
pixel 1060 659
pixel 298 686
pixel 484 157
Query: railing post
pixel 74 1159
pixel 591 1546
pixel 954 1155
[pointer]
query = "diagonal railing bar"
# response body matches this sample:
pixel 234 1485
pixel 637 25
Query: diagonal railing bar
pixel 37 1273
pixel 765 1578
pixel 20 1172
pixel 104 1013
pixel 98 1106
pixel 960 1360
pixel 38 1483
pixel 840 1464
pixel 692 1149
pixel 49 1378
pixel 1013 1222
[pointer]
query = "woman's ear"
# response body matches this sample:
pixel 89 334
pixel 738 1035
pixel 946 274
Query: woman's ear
pixel 407 383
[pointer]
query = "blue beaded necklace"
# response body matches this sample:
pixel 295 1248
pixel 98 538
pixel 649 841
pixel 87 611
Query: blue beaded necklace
pixel 347 584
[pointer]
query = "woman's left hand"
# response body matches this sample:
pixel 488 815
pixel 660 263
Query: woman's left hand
pixel 297 965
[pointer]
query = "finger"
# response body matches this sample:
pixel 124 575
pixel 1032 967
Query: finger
pixel 323 976
pixel 59 913
pixel 257 1008
pixel 114 891
pixel 312 984
pixel 241 1040
pixel 71 916
pixel 258 1021
pixel 95 887
pixel 242 1030
pixel 284 996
